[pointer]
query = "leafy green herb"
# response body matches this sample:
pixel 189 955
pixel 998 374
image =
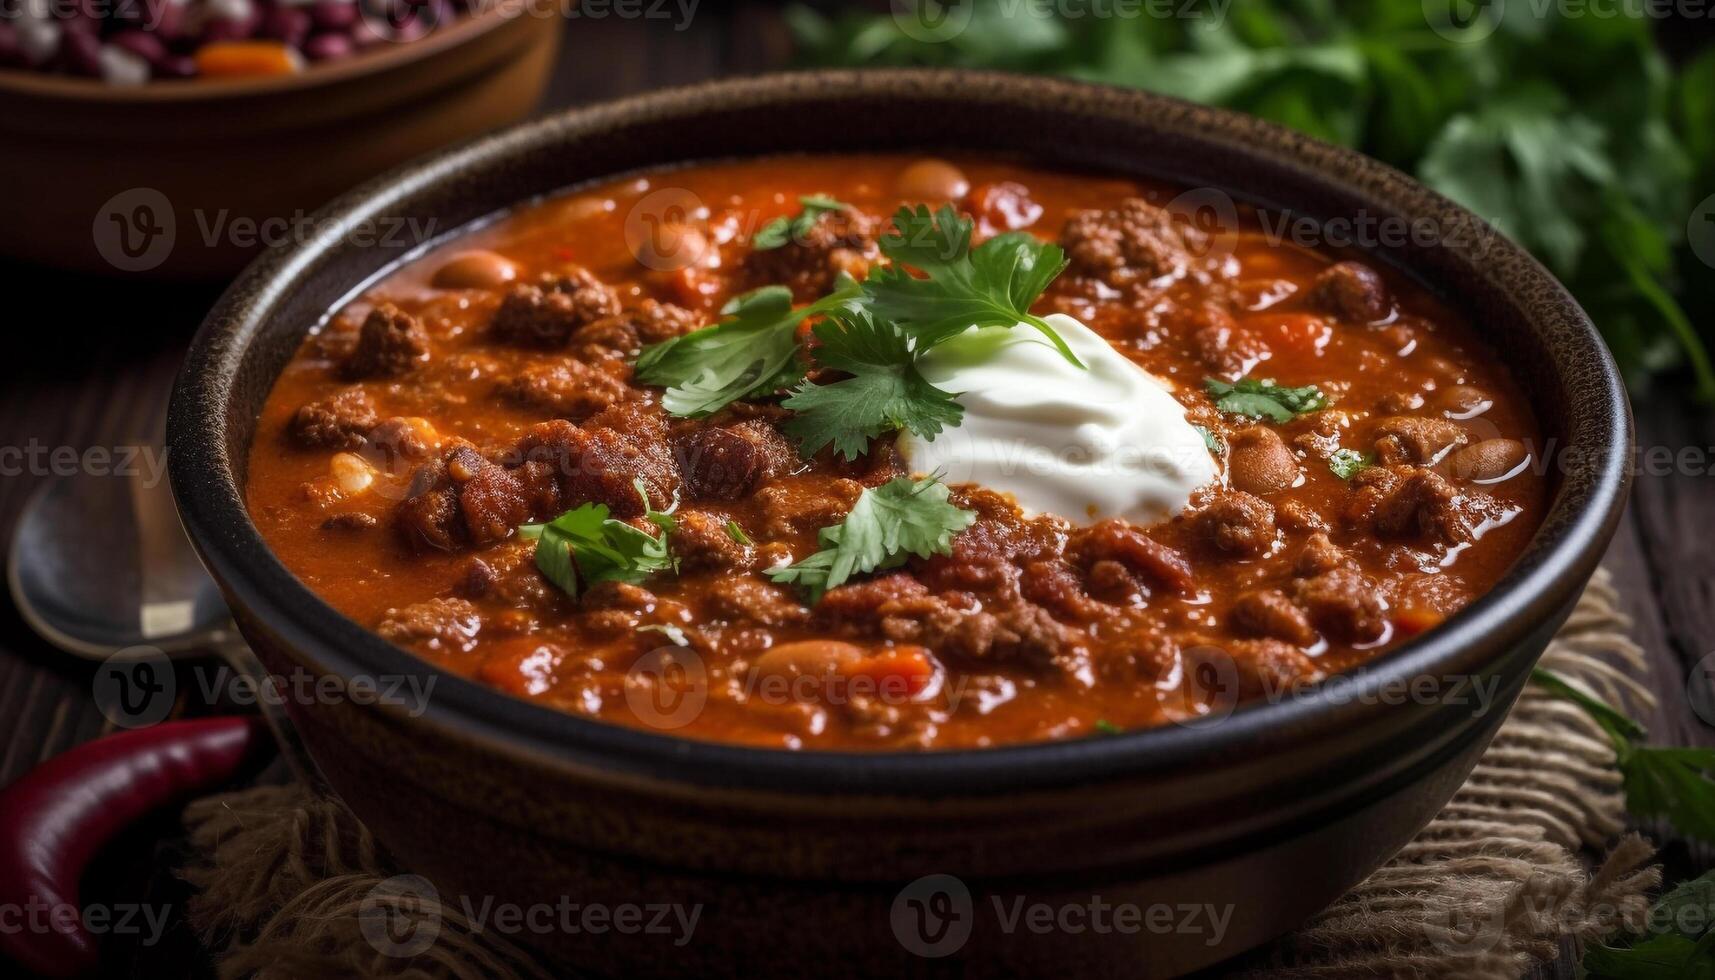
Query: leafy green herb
pixel 1517 118
pixel 1686 950
pixel 1672 783
pixel 737 533
pixel 585 546
pixel 786 229
pixel 1216 446
pixel 1347 463
pixel 887 525
pixel 885 390
pixel 1263 399
pixel 1107 727
pixel 960 287
pixel 753 352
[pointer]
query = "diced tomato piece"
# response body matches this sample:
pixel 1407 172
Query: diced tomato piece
pixel 901 671
pixel 1003 206
pixel 1412 621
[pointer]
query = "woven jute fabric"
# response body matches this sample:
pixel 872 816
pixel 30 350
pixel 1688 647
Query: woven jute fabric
pixel 1530 852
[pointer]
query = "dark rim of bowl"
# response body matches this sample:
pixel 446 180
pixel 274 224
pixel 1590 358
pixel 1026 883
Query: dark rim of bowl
pixel 1542 581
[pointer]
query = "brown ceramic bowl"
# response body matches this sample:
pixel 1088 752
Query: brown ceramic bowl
pixel 818 863
pixel 206 158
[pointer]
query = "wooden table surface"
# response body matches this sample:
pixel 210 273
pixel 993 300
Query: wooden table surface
pixel 97 373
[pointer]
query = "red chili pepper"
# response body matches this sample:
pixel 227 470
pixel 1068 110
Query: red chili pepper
pixel 55 819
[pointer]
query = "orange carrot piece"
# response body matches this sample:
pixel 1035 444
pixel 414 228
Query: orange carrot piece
pixel 247 59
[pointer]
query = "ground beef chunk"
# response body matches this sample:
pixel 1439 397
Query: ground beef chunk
pixel 1147 655
pixel 546 313
pixel 1056 586
pixel 462 498
pixel 986 558
pixel 1320 555
pixel 1131 244
pixel 341 421
pixel 789 509
pixel 1237 523
pixel 442 625
pixel 837 241
pixel 702 543
pixel 1405 502
pixel 508 574
pixel 492 498
pixel 624 334
pixel 1269 613
pixel 350 521
pixel 748 599
pixel 1352 291
pixel 902 609
pixel 1114 583
pixel 1269 668
pixel 1218 342
pixel 1344 604
pixel 404 437
pixel 1117 540
pixel 429 519
pixel 564 388
pixel 861 602
pixel 390 343
pixel 599 461
pixel 1407 439
pixel 731 462
pixel 1295 515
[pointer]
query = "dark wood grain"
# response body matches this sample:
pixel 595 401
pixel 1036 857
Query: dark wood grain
pixel 100 378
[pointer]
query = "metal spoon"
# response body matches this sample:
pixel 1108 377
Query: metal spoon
pixel 100 565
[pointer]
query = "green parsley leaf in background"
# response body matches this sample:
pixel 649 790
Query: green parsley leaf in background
pixel 584 546
pixel 1261 398
pixel 786 229
pixel 884 392
pixel 751 353
pixel 887 525
pixel 1685 949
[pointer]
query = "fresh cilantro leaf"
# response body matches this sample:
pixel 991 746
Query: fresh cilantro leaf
pixel 992 285
pixel 885 390
pixel 1107 727
pixel 584 546
pixel 1347 463
pixel 1262 398
pixel 751 353
pixel 1687 950
pixel 787 229
pixel 736 533
pixel 1216 446
pixel 1671 783
pixel 887 525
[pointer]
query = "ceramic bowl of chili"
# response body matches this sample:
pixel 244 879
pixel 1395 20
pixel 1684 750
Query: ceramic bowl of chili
pixel 823 861
pixel 189 177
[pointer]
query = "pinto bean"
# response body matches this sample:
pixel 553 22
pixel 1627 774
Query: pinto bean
pixel 1259 462
pixel 475 270
pixel 930 179
pixel 1488 460
pixel 815 658
pixel 1463 401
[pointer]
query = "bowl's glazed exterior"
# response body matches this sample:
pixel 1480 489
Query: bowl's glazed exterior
pixel 1221 835
pixel 224 167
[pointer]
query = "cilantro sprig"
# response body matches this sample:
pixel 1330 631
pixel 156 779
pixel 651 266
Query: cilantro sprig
pixel 784 229
pixel 956 287
pixel 885 391
pixel 584 546
pixel 1671 783
pixel 1261 398
pixel 752 352
pixel 887 525
pixel 1347 463
pixel 1685 948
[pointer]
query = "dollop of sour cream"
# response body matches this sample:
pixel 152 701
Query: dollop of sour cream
pixel 1104 440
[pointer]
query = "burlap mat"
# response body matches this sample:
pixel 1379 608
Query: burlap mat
pixel 1490 888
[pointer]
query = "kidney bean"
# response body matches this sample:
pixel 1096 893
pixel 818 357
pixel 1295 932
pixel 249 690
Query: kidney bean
pixel 176 66
pixel 814 658
pixel 475 270
pixel 39 41
pixel 11 48
pixel 333 15
pixel 328 47
pixel 290 25
pixel 1488 461
pixel 81 53
pixel 931 179
pixel 122 67
pixel 142 44
pixel 1259 462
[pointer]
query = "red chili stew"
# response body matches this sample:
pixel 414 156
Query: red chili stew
pixel 467 460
